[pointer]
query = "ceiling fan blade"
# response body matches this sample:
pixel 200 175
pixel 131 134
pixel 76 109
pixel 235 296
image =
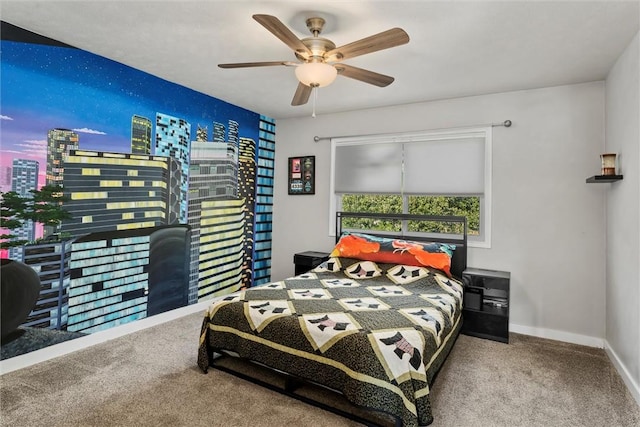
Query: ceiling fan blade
pixel 278 29
pixel 302 94
pixel 363 75
pixel 256 64
pixel 384 40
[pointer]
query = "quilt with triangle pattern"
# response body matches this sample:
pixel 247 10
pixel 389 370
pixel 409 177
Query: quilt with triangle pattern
pixel 376 332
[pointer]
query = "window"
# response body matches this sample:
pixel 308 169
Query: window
pixel 468 206
pixel 444 172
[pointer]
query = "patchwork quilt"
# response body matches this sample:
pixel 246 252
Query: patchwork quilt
pixel 376 332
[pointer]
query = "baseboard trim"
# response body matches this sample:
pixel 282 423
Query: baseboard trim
pixel 63 348
pixel 554 334
pixel 632 385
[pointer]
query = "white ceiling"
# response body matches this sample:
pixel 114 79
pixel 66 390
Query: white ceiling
pixel 456 48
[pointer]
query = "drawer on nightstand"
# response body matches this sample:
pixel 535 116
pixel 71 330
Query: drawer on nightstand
pixel 482 325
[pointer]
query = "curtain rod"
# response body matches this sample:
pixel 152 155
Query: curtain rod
pixel 506 123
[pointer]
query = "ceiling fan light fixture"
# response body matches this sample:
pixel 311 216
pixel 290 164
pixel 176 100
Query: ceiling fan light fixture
pixel 316 74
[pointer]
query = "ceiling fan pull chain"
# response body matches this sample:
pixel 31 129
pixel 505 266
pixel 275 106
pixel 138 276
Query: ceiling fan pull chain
pixel 315 97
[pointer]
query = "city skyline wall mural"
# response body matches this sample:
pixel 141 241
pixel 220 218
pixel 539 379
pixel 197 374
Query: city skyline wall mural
pixel 144 163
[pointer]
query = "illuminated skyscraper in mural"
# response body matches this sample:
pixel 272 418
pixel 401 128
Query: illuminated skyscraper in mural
pixel 140 135
pixel 233 135
pixel 104 293
pixel 119 277
pixel 213 175
pixel 222 242
pixel 218 132
pixel 59 142
pixel 247 192
pixel 264 201
pixel 213 170
pixel 24 176
pixel 173 139
pixel 24 179
pixel 51 262
pixel 117 191
pixel 202 134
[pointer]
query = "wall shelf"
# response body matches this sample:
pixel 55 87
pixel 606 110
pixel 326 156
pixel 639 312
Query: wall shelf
pixel 603 178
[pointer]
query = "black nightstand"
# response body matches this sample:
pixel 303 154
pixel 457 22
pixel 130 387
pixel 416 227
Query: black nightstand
pixel 486 304
pixel 305 261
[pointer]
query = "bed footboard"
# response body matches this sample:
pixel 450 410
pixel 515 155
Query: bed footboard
pixel 300 389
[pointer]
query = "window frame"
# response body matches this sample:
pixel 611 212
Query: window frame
pixel 481 241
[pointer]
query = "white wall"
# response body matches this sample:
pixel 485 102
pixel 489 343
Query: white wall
pixel 547 222
pixel 623 217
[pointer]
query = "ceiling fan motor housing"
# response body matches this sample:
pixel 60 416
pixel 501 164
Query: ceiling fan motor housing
pixel 318 47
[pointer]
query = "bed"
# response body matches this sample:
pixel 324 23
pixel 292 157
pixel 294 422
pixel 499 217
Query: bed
pixel 375 322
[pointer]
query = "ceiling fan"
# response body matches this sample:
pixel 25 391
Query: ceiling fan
pixel 320 59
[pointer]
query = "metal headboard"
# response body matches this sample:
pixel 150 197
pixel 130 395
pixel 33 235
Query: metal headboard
pixel 459 260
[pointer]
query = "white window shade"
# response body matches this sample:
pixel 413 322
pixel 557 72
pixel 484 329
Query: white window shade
pixel 368 168
pixel 445 166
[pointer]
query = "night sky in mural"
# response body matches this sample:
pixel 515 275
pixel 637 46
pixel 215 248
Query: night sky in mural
pixel 45 87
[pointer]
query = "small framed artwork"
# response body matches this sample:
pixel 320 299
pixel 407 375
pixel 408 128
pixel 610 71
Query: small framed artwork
pixel 302 175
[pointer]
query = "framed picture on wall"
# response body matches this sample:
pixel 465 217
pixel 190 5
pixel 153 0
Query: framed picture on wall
pixel 302 175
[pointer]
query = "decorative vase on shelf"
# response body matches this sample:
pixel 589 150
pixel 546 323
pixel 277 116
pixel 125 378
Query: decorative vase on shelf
pixel 19 290
pixel 608 163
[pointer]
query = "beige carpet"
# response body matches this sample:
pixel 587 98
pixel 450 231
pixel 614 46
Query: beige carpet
pixel 150 378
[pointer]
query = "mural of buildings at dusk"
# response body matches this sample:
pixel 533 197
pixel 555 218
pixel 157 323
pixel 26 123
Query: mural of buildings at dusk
pixel 170 190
